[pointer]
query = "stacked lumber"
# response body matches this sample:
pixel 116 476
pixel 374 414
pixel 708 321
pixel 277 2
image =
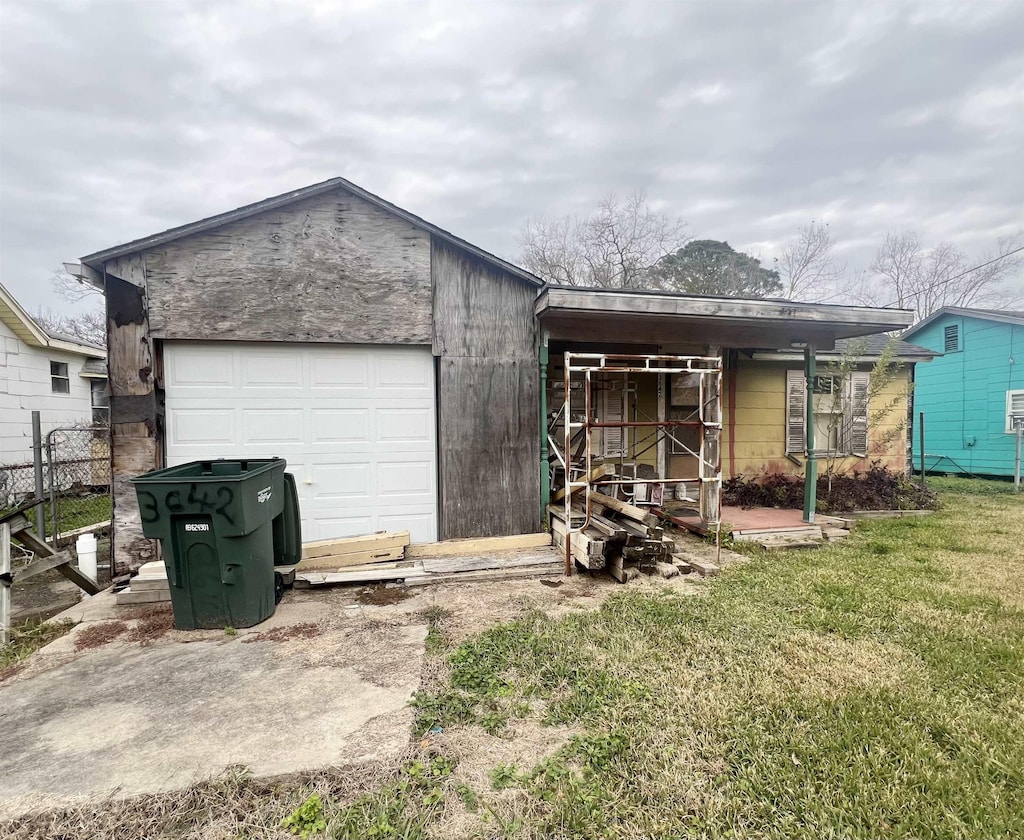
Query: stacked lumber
pixel 369 549
pixel 621 538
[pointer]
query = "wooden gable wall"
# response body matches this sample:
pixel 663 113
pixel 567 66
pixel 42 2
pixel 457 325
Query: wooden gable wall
pixel 329 268
pixel 485 336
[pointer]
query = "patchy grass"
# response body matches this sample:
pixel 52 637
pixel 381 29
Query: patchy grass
pixel 25 640
pixel 872 688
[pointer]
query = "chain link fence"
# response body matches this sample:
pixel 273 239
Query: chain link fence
pixel 75 469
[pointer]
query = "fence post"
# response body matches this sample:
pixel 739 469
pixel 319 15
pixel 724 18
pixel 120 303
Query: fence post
pixel 921 420
pixel 37 461
pixel 5 583
pixel 51 459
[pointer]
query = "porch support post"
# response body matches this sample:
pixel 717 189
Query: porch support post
pixel 545 476
pixel 811 469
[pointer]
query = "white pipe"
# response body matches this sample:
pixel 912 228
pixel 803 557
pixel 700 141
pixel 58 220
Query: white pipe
pixel 85 547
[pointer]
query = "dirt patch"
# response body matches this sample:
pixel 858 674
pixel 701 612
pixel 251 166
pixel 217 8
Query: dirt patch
pixel 523 746
pixel 9 671
pixel 96 635
pixel 306 630
pixel 382 595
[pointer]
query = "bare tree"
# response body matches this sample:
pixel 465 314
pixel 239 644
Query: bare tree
pixel 614 247
pixel 808 265
pixel 72 289
pixel 90 326
pixel 908 275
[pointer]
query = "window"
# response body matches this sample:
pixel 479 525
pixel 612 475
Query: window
pixel 951 337
pixel 840 414
pixel 60 383
pixel 100 402
pixel 1014 410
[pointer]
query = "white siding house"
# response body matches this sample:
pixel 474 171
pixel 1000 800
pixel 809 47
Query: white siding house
pixel 60 377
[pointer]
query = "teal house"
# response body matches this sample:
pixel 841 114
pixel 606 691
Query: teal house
pixel 972 396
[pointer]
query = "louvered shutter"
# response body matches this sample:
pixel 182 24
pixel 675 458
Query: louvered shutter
pixel 796 412
pixel 613 412
pixel 856 414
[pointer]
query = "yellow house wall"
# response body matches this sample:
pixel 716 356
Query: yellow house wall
pixel 760 423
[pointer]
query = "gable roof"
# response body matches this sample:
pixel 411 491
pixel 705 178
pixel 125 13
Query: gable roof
pixel 1005 316
pixel 96 260
pixel 24 326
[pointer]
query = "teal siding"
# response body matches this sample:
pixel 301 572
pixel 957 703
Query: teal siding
pixel 963 396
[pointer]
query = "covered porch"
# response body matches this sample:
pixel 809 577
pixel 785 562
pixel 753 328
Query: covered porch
pixel 649 427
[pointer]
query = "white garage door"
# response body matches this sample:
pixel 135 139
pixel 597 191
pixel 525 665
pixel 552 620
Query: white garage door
pixel 355 423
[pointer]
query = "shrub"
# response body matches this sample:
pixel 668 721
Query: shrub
pixel 876 488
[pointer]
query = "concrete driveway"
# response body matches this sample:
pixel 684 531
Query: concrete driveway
pixel 311 687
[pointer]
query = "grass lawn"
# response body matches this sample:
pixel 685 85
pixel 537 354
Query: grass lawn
pixel 872 688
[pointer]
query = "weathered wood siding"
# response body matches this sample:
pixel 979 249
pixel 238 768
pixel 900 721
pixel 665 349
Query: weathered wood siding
pixel 136 422
pixel 488 403
pixel 330 268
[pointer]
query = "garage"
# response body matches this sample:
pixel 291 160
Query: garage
pixel 356 424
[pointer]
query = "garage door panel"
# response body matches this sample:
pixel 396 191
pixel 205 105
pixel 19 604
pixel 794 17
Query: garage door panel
pixel 339 425
pixel 272 427
pixel 279 371
pixel 404 425
pixel 199 370
pixel 201 426
pixel 356 425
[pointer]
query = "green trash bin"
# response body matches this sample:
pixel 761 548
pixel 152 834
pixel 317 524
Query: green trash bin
pixel 214 520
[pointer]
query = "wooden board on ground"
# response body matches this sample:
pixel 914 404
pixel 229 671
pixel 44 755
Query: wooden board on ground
pixel 371 575
pixel 480 562
pixel 473 545
pixel 381 541
pixel 542 570
pixel 801 532
pixel 355 558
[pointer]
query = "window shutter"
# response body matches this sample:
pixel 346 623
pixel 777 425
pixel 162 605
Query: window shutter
pixel 796 412
pixel 612 439
pixel 951 338
pixel 857 414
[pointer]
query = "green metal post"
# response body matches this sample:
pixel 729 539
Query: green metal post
pixel 811 470
pixel 545 478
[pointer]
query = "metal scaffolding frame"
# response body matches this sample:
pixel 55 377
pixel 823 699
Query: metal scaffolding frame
pixel 708 419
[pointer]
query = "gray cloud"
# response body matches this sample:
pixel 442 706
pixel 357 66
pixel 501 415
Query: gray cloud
pixel 747 119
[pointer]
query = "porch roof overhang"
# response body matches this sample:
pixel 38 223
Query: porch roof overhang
pixel 617 315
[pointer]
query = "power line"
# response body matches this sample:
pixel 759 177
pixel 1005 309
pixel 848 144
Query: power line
pixel 961 274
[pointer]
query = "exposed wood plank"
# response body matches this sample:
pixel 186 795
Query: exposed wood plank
pixel 487 561
pixel 599 472
pixel 479 310
pixel 135 443
pixel 329 268
pixel 364 542
pixel 489 446
pixel 364 576
pixel 536 571
pixel 354 558
pixel 626 509
pixel 454 548
pixel 46 554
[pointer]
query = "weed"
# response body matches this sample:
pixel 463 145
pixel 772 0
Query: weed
pixel 230 631
pixel 25 640
pixel 308 818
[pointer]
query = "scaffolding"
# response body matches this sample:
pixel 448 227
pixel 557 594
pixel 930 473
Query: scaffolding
pixel 579 429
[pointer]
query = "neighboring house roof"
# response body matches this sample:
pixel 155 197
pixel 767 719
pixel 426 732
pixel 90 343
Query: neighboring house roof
pixel 96 260
pixel 94 369
pixel 1005 316
pixel 25 327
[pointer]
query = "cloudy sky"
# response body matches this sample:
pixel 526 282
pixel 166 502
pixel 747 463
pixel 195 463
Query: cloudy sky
pixel 746 119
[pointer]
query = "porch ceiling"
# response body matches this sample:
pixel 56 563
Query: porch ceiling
pixel 665 318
